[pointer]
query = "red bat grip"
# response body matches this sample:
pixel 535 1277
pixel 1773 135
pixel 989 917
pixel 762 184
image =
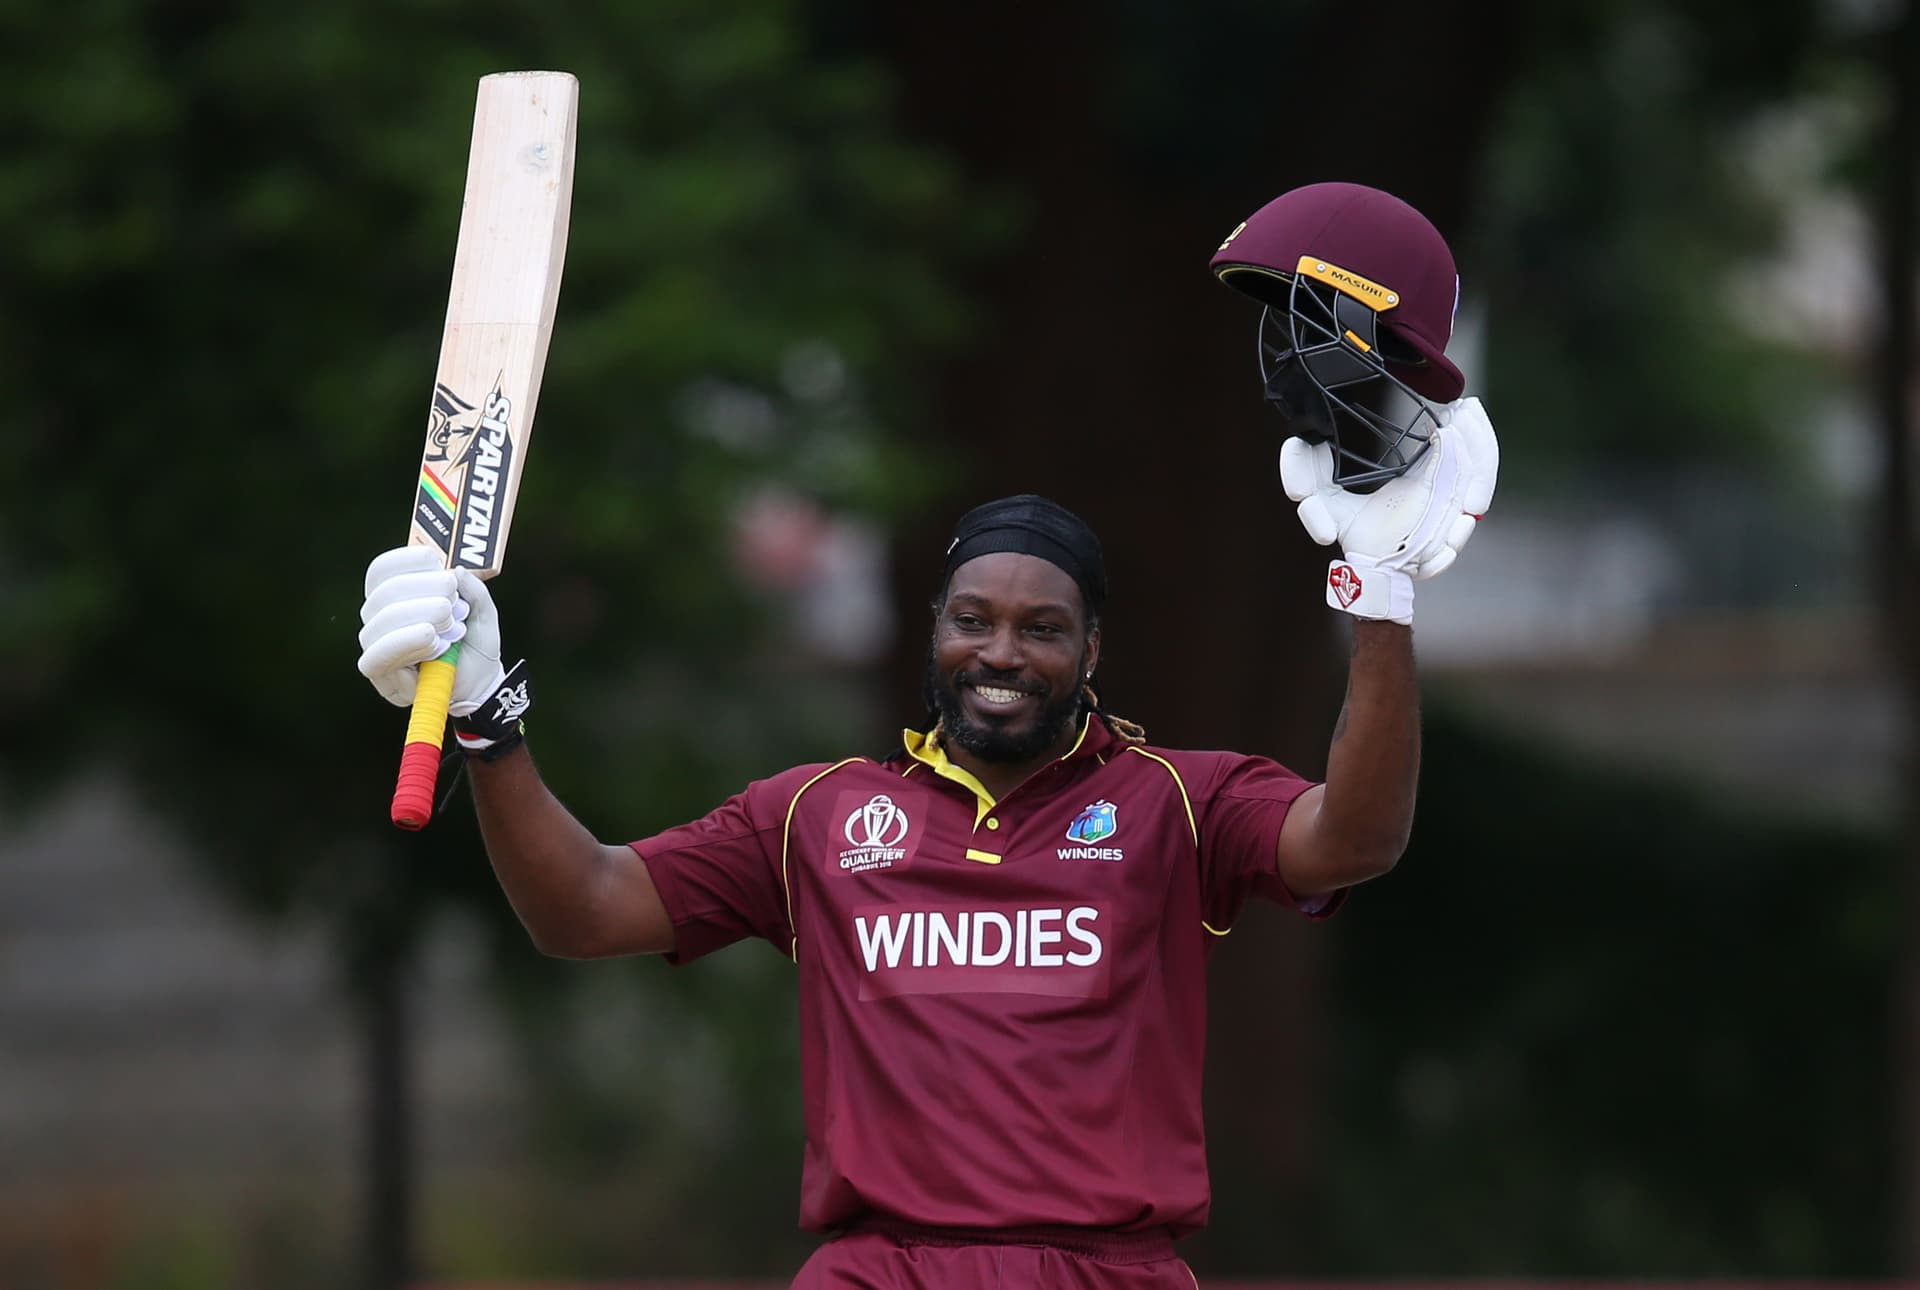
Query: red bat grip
pixel 413 790
pixel 420 759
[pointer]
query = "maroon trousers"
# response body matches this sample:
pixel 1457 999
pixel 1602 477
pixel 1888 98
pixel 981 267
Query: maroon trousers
pixel 884 1255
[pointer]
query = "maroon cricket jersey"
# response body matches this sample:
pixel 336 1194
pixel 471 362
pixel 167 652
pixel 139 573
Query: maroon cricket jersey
pixel 1002 1004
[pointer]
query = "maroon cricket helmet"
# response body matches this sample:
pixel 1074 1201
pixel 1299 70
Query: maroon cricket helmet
pixel 1369 245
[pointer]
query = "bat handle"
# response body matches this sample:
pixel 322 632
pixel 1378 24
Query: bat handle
pixel 426 730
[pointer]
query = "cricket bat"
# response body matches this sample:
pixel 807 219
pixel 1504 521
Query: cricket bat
pixel 506 281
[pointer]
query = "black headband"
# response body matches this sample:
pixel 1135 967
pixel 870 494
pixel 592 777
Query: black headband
pixel 1032 525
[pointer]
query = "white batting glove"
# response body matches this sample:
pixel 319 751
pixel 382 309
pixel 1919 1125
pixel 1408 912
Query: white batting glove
pixel 1411 527
pixel 416 608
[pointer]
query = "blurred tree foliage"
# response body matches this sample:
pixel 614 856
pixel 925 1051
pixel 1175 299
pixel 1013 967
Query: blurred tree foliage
pixel 1601 1025
pixel 227 258
pixel 1625 195
pixel 228 229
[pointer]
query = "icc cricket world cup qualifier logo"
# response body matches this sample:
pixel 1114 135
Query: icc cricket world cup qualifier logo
pixel 874 834
pixel 878 824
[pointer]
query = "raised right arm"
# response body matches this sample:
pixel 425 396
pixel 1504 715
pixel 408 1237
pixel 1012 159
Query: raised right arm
pixel 576 897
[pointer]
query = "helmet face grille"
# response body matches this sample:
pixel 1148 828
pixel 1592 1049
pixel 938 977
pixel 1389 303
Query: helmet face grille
pixel 1321 362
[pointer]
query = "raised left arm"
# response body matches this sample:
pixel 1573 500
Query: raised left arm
pixel 1354 826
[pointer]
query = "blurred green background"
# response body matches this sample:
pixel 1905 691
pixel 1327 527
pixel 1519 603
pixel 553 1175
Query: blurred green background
pixel 1642 999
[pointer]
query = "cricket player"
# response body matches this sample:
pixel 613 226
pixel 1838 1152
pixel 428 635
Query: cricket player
pixel 1002 930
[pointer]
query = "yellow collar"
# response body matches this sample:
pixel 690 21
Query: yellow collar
pixel 931 753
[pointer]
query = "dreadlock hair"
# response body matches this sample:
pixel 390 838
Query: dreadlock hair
pixel 1127 732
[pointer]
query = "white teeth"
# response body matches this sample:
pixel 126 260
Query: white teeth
pixel 994 694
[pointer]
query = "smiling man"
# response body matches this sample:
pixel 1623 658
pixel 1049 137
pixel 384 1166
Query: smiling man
pixel 1002 930
pixel 1008 690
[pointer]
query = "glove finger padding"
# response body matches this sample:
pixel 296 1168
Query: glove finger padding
pixel 1464 527
pixel 435 584
pixel 1470 440
pixel 1306 472
pixel 1317 518
pixel 392 662
pixel 1301 469
pixel 481 618
pixel 1456 538
pixel 401 560
pixel 440 619
pixel 478 672
pixel 397 612
pixel 1474 430
pixel 414 611
pixel 1437 564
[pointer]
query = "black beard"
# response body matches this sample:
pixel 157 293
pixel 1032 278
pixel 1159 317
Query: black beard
pixel 990 743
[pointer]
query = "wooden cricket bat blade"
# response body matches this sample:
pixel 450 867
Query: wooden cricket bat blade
pixel 500 308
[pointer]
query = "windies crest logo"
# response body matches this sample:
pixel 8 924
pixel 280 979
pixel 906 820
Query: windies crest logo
pixel 874 834
pixel 1094 824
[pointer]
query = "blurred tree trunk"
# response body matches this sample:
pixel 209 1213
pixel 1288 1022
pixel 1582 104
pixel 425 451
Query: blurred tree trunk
pixel 1111 372
pixel 378 938
pixel 1899 221
pixel 387 1192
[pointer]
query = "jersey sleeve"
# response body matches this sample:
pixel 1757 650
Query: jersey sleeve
pixel 1244 803
pixel 720 875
